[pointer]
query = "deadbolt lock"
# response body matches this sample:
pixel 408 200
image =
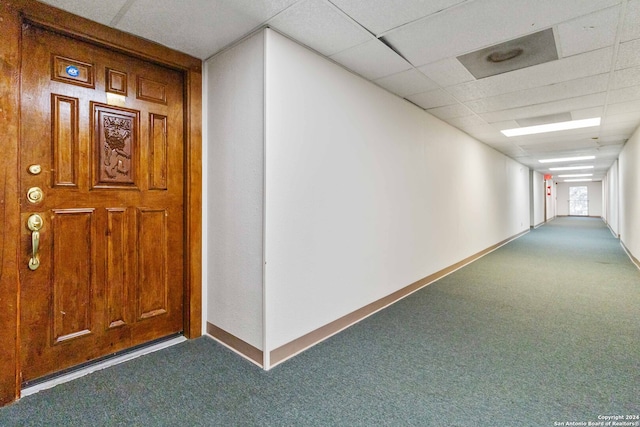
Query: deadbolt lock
pixel 35 169
pixel 35 195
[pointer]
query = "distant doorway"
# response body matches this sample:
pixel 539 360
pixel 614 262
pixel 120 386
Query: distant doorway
pixel 579 200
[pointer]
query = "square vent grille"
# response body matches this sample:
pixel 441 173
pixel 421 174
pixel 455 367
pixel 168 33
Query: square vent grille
pixel 534 49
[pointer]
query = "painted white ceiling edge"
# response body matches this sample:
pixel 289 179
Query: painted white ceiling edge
pixel 410 48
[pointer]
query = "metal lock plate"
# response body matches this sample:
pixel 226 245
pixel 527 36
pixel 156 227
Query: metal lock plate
pixel 34 223
pixel 35 169
pixel 35 195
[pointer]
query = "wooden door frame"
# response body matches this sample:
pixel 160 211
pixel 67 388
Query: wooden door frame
pixel 13 13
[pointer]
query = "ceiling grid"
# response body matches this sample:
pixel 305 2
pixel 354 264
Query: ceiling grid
pixel 412 48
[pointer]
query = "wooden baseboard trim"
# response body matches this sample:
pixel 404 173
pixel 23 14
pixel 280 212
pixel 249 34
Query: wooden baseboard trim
pixel 236 344
pixel 298 345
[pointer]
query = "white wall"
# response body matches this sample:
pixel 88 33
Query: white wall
pixel 612 191
pixel 327 193
pixel 552 202
pixel 595 198
pixel 235 170
pixel 629 184
pixel 538 193
pixel 594 194
pixel 366 193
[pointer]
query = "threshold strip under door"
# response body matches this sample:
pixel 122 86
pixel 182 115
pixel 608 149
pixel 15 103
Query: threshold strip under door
pixel 71 374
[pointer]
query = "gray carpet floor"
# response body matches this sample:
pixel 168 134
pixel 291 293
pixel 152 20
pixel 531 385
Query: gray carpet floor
pixel 544 331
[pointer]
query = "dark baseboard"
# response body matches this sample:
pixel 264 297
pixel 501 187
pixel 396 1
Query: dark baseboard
pixel 298 345
pixel 240 346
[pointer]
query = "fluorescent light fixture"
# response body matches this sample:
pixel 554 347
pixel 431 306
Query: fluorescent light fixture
pixel 567 159
pixel 552 127
pixel 577 180
pixel 575 175
pixel 571 168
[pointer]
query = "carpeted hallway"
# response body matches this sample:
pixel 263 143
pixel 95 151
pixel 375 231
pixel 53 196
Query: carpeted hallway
pixel 544 331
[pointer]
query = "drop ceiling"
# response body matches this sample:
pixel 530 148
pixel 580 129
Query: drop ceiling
pixel 411 48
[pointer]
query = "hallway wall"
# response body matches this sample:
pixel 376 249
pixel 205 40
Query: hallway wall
pixel 537 194
pixel 235 180
pixel 594 193
pixel 612 188
pixel 629 196
pixel 366 193
pixel 362 193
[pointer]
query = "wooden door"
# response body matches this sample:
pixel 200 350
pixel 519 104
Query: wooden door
pixel 102 138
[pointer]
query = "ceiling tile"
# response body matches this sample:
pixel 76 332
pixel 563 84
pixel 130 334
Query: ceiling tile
pixel 626 78
pixel 607 142
pixel 505 124
pixel 587 113
pixel 372 60
pixel 590 32
pixel 586 64
pixel 542 120
pixel 631 27
pixel 618 128
pixel 102 12
pixel 580 102
pixel 447 72
pixel 544 94
pixel 320 26
pixel 189 29
pixel 407 83
pixel 450 111
pixel 432 99
pixel 499 141
pixel 470 122
pixel 613 129
pixel 379 16
pixel 628 54
pixel 572 144
pixel 474 25
pixel 624 95
pixel 629 109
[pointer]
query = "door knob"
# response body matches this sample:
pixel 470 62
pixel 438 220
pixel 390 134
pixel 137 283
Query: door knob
pixel 34 223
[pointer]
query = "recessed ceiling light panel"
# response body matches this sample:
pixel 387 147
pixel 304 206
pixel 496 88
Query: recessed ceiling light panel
pixel 571 168
pixel 578 180
pixel 567 159
pixel 552 127
pixel 575 175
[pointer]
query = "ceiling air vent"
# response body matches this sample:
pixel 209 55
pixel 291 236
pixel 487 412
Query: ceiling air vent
pixel 534 49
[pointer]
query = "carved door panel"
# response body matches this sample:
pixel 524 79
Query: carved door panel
pixel 102 168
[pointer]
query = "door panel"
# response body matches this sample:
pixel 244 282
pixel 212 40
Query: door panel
pixel 73 232
pixel 64 136
pixel 152 281
pixel 113 142
pixel 102 138
pixel 117 268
